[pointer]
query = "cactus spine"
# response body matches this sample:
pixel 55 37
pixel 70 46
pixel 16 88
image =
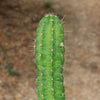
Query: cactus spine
pixel 50 58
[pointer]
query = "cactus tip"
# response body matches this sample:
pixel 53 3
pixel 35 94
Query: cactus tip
pixel 50 15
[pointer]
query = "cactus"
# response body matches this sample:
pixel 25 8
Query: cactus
pixel 50 58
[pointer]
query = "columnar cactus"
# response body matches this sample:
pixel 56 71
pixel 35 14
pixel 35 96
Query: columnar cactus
pixel 50 58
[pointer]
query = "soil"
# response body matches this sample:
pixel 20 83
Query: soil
pixel 18 24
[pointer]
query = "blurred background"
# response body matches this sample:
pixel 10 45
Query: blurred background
pixel 18 23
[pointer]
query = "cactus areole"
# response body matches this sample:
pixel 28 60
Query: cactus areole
pixel 50 58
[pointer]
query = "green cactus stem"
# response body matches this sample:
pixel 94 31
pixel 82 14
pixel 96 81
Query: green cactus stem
pixel 50 58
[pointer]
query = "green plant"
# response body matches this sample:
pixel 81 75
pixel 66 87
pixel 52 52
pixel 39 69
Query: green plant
pixel 48 3
pixel 50 58
pixel 8 64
